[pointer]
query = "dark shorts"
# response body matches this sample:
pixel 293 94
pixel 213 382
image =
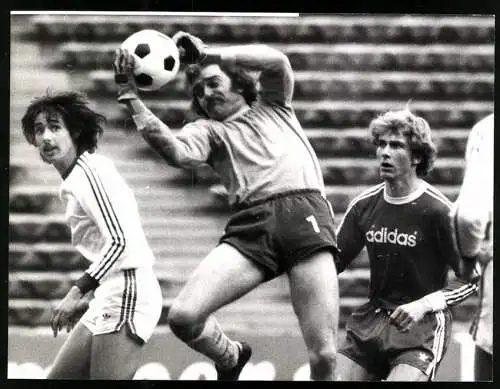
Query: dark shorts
pixel 285 228
pixel 378 346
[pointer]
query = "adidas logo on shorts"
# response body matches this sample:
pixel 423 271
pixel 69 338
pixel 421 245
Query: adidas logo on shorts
pixel 106 316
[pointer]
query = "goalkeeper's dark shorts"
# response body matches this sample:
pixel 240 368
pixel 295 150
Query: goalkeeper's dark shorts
pixel 377 345
pixel 280 230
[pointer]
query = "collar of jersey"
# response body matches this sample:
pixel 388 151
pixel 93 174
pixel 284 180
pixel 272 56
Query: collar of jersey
pixel 409 197
pixel 70 168
pixel 241 111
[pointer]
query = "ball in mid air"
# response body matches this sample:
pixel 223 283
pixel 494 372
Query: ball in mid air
pixel 157 57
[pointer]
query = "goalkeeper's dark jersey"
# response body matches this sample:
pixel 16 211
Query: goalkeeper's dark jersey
pixel 409 244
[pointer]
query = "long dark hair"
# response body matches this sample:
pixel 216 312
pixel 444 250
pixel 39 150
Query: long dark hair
pixel 84 124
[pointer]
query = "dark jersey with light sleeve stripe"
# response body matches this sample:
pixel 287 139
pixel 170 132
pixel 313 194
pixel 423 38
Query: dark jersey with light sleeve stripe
pixel 409 245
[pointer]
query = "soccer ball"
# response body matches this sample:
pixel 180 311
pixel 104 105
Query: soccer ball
pixel 157 57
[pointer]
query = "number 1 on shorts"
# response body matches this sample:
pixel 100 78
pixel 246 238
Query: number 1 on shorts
pixel 311 219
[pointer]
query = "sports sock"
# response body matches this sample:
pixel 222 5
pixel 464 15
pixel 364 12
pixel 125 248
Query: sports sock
pixel 214 344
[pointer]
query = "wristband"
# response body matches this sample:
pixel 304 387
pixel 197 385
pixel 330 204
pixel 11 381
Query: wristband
pixel 435 301
pixel 86 283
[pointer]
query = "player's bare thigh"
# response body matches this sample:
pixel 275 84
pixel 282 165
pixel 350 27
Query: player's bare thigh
pixel 314 294
pixel 73 359
pixel 223 276
pixel 348 370
pixel 115 355
pixel 315 297
pixel 404 372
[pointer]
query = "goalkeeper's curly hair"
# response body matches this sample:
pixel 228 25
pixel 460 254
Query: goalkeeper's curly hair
pixel 83 123
pixel 240 79
pixel 416 130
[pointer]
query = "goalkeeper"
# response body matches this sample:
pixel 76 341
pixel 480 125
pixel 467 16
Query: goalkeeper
pixel 281 223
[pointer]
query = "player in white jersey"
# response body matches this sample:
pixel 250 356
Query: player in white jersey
pixel 118 295
pixel 403 331
pixel 472 219
pixel 282 222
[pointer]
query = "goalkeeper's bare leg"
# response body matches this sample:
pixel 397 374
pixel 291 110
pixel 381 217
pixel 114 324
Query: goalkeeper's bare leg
pixel 222 277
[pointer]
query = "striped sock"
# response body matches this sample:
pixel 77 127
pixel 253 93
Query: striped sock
pixel 214 344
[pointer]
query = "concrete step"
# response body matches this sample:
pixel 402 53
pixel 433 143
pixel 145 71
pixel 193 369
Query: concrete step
pixel 42 256
pixel 317 85
pixel 309 28
pixel 363 57
pixel 337 113
pixel 34 228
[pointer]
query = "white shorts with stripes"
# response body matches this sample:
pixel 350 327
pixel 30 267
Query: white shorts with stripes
pixel 132 297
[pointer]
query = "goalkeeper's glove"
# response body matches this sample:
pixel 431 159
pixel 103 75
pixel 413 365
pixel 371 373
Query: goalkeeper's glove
pixel 124 65
pixel 191 48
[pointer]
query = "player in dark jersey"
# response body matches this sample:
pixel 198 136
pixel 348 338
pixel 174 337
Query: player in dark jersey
pixel 282 222
pixel 402 332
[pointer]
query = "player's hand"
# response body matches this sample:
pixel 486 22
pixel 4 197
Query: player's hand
pixel 471 270
pixel 124 65
pixel 80 308
pixel 191 48
pixel 65 310
pixel 485 255
pixel 406 316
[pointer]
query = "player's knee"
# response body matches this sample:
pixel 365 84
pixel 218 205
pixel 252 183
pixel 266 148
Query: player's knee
pixel 183 321
pixel 322 361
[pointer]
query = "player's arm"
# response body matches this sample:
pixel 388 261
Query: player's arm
pixel 276 74
pixel 456 290
pixel 350 239
pixel 470 214
pixel 189 148
pixel 465 283
pixel 454 293
pixel 407 315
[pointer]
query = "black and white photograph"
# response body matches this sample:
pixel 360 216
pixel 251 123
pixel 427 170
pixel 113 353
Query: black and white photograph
pixel 251 196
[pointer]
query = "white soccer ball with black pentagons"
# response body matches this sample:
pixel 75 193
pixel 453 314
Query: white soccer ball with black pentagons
pixel 157 58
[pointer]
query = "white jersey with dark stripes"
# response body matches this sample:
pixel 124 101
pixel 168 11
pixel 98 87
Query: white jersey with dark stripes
pixel 103 216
